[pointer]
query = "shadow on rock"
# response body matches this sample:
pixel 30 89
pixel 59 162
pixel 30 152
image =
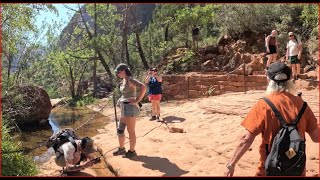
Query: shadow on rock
pixel 161 164
pixel 78 174
pixel 173 119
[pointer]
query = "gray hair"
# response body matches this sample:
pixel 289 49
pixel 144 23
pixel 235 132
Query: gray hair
pixel 286 86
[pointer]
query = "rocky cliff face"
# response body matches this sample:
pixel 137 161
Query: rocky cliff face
pixel 143 12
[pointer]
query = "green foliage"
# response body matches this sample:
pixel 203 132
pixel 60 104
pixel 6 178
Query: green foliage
pixel 62 64
pixel 15 164
pixel 82 101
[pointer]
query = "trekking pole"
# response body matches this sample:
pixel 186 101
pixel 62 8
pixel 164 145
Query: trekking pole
pixel 115 109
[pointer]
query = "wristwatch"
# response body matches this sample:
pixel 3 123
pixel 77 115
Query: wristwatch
pixel 229 166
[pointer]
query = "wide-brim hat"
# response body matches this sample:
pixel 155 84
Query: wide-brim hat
pixel 89 147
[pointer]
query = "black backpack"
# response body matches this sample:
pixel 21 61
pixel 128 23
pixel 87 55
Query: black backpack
pixel 61 137
pixel 287 156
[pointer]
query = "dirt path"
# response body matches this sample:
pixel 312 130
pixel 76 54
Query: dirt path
pixel 211 132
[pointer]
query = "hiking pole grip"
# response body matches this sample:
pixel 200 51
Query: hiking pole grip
pixel 115 109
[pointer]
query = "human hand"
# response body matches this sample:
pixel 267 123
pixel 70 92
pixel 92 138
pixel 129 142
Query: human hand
pixel 149 72
pixel 229 172
pixel 88 164
pixel 299 56
pixel 268 50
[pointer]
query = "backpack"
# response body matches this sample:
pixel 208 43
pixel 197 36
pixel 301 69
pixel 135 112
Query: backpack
pixel 287 156
pixel 61 137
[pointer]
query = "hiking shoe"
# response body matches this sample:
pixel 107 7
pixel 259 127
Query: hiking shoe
pixel 153 118
pixel 130 154
pixel 119 151
pixel 158 119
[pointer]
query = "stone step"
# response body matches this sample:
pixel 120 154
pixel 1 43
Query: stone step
pixel 303 76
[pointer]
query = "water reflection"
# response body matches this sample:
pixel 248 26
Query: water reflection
pixel 62 117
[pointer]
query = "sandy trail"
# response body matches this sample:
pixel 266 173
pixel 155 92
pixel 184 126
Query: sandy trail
pixel 211 132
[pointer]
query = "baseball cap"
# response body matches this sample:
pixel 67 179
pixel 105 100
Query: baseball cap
pixel 121 67
pixel 279 72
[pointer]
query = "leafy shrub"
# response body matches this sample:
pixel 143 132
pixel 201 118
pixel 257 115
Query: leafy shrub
pixel 15 164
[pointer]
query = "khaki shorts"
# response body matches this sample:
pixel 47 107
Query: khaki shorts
pixel 129 110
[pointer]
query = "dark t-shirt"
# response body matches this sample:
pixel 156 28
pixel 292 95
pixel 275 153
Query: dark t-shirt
pixel 195 31
pixel 154 86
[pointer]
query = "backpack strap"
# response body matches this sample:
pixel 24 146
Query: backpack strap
pixel 276 112
pixel 295 122
pixel 73 143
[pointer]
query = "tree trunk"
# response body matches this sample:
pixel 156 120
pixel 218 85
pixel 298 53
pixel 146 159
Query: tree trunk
pixel 187 44
pixel 140 50
pixel 150 46
pixel 103 62
pixel 143 58
pixel 125 51
pixel 10 59
pixel 94 75
pixel 166 33
pixel 72 83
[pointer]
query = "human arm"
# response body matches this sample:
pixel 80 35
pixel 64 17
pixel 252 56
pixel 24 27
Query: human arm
pixel 142 87
pixel 147 79
pixel 244 144
pixel 300 50
pixel 287 52
pixel 159 78
pixel 70 162
pixel 267 43
pixel 312 125
pixel 314 135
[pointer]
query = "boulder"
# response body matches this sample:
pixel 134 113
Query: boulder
pixel 26 105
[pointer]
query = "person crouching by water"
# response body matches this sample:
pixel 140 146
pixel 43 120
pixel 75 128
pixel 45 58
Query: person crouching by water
pixel 153 80
pixel 70 154
pixel 130 109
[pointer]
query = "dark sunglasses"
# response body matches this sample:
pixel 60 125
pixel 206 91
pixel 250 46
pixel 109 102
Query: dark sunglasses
pixel 290 35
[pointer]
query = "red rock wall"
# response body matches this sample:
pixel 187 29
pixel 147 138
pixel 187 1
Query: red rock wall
pixel 196 86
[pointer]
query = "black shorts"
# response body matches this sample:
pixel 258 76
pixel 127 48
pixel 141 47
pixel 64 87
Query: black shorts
pixel 273 49
pixel 294 60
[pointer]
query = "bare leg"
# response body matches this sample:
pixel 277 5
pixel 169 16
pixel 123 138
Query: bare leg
pixel 298 69
pixel 294 71
pixel 153 112
pixel 274 57
pixel 122 138
pixel 269 60
pixel 157 103
pixel 131 125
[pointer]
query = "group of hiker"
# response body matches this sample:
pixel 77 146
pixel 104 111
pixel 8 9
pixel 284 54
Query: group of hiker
pixel 72 151
pixel 293 52
pixel 281 117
